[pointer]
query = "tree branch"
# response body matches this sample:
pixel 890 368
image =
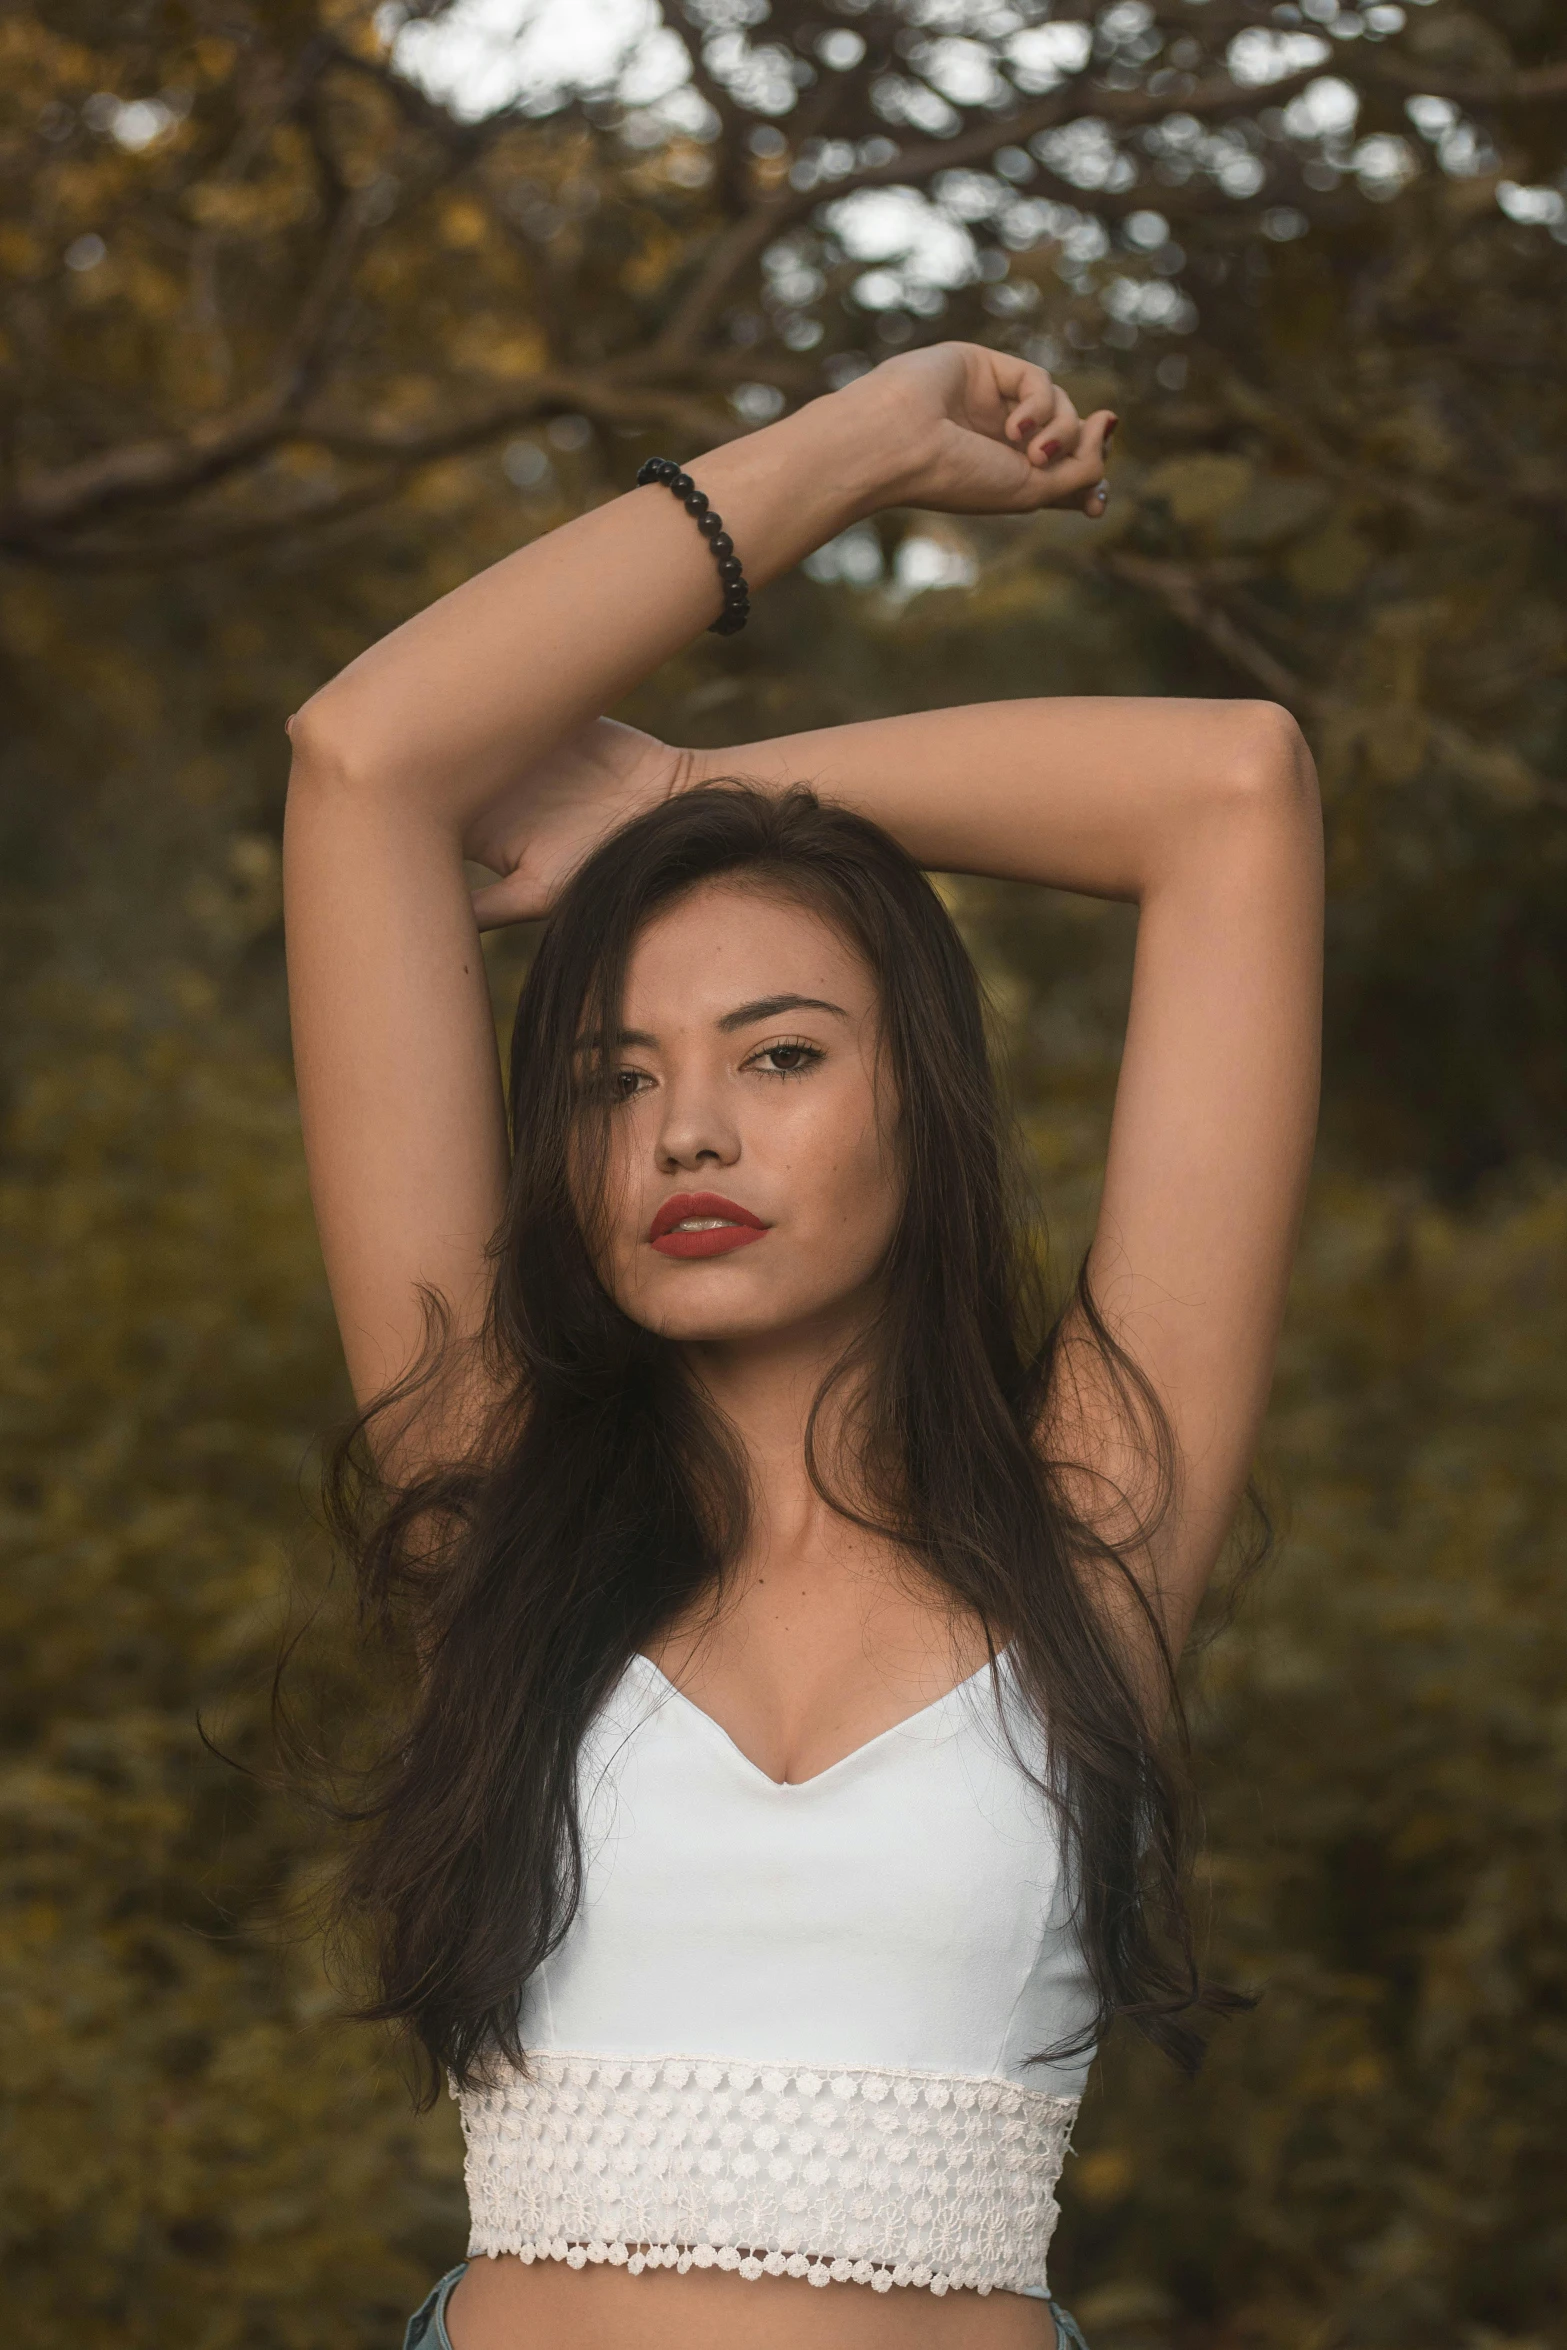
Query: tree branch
pixel 1185 590
pixel 70 494
pixel 44 539
pixel 747 238
pixel 1531 86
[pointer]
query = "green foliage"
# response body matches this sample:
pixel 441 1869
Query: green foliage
pixel 338 349
pixel 195 2148
pixel 1382 1749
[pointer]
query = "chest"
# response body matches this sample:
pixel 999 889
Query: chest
pixel 903 1907
pixel 816 1656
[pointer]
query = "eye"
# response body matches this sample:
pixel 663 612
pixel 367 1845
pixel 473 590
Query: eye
pixel 626 1084
pixel 787 1058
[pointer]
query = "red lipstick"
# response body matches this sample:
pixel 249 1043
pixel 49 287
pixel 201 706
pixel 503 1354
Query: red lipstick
pixel 713 1226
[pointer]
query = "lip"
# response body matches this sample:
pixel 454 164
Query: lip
pixel 737 1228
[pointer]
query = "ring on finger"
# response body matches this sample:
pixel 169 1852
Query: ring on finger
pixel 1101 489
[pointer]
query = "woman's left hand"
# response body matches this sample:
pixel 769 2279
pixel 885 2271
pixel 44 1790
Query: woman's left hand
pixel 555 812
pixel 985 433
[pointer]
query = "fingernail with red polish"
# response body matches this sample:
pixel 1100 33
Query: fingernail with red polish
pixel 1110 432
pixel 1051 450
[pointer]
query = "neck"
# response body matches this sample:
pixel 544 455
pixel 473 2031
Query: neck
pixel 765 1388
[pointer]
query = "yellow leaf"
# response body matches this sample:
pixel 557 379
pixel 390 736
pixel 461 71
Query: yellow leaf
pixel 463 223
pixel 1103 2177
pixel 495 352
pixel 20 253
pixel 1196 489
pixel 651 268
pixel 1331 562
pixel 1395 741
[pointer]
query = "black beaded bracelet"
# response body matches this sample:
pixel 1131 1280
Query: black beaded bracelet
pixel 737 596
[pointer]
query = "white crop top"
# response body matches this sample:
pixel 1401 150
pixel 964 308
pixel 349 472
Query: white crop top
pixel 788 2030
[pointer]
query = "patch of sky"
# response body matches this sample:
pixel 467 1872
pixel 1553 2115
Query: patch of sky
pixel 923 563
pixel 525 465
pixel 790 275
pixel 1284 224
pixel 1033 221
pixel 922 109
pixel 963 71
pixel 135 123
pixel 1384 165
pixel 1258 56
pixel 723 16
pixel 852 559
pixel 921 251
pixel 1431 116
pixel 482 56
pixel 1124 21
pixel 968 195
pixel 1533 207
pixel 1043 55
pixel 765 76
pixel 758 403
pixel 1325 109
pixel 840 50
pixel 1140 302
pixel 1085 152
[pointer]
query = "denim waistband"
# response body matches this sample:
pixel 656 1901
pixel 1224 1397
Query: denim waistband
pixel 426 2329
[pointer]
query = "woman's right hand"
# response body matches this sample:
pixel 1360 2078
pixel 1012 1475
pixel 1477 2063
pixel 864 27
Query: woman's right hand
pixel 984 433
pixel 558 809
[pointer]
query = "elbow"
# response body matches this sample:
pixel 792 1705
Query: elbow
pixel 320 745
pixel 1268 764
pixel 1250 800
pixel 343 745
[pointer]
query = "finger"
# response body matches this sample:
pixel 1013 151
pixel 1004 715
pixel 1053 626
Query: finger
pixel 497 903
pixel 1058 438
pixel 1098 433
pixel 1014 378
pixel 1078 478
pixel 1035 407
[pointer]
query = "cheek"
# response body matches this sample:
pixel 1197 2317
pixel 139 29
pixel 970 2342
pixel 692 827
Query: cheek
pixel 606 1195
pixel 860 1191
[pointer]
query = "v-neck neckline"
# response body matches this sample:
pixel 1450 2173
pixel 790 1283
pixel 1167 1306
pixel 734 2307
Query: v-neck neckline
pixel 855 1753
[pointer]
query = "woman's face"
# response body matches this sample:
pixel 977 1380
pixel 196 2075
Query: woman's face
pixel 753 1181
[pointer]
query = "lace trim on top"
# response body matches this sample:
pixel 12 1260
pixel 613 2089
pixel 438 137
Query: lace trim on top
pixel 871 2175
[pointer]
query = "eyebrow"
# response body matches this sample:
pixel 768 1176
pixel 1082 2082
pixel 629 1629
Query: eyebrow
pixel 766 1007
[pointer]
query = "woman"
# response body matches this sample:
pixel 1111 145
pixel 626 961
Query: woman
pixel 779 1816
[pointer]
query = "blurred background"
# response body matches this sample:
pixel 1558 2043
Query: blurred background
pixel 310 309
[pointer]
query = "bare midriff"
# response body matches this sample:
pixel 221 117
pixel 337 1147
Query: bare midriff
pixel 504 2305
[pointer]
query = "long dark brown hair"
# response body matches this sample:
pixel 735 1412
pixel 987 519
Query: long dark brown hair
pixel 597 1499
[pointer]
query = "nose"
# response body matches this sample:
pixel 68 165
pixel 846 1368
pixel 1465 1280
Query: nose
pixel 697 1126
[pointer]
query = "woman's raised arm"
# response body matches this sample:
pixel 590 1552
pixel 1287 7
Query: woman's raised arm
pixel 1205 814
pixel 435 744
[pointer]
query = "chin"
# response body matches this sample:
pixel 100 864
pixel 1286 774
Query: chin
pixel 682 1330
pixel 693 1318
pixel 710 1304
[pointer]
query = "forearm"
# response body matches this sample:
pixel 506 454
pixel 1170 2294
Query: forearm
pixel 449 707
pixel 1106 795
